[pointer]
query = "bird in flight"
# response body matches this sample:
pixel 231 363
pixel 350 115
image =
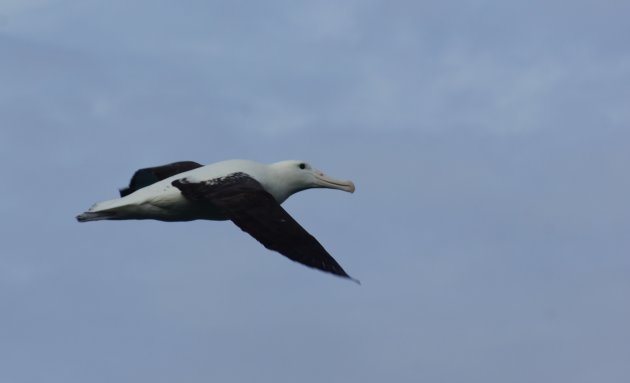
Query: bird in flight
pixel 246 192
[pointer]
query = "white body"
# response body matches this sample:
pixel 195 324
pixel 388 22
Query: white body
pixel 163 201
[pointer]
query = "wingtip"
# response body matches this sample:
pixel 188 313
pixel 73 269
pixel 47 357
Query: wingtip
pixel 343 274
pixel 125 191
pixel 346 276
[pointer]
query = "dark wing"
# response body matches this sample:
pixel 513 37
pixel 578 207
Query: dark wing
pixel 148 176
pixel 243 200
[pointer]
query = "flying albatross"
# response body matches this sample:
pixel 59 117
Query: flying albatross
pixel 246 192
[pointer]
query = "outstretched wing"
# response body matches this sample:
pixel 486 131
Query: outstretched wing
pixel 148 176
pixel 243 200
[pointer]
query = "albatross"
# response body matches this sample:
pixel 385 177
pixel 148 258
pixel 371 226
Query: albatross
pixel 246 192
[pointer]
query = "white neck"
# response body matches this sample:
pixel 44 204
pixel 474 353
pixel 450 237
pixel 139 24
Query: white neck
pixel 278 185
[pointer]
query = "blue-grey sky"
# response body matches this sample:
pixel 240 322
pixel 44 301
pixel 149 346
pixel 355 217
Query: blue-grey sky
pixel 489 142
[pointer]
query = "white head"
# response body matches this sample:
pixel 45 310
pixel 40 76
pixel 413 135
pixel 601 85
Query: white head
pixel 299 175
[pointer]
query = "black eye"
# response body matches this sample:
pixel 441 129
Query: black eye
pixel 302 165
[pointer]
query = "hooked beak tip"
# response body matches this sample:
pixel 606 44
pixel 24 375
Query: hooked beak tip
pixel 333 183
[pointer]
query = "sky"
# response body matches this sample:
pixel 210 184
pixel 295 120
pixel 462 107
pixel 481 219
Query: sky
pixel 488 141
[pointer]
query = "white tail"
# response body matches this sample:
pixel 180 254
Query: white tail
pixel 102 210
pixel 95 216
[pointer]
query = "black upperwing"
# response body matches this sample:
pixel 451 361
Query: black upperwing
pixel 148 176
pixel 244 200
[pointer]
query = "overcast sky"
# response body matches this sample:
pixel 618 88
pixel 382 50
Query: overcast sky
pixel 488 140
